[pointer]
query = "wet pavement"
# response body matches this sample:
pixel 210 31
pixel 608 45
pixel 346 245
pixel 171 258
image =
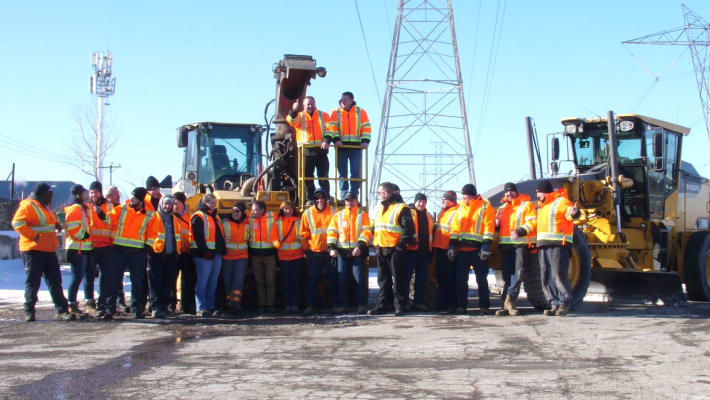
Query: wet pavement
pixel 601 351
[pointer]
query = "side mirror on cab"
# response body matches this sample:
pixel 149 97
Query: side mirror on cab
pixel 658 150
pixel 555 149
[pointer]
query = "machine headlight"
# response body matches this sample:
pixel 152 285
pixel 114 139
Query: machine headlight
pixel 626 126
pixel 571 129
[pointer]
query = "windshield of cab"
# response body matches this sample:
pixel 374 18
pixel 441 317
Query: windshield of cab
pixel 591 147
pixel 226 151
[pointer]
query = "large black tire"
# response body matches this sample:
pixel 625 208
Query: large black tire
pixel 580 275
pixel 695 267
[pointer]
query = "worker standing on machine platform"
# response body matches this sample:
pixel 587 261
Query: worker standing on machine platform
pixel 516 219
pixel 446 300
pixel 350 126
pixel 472 233
pixel 555 232
pixel 312 128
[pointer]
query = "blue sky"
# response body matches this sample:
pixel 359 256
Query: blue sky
pixel 179 62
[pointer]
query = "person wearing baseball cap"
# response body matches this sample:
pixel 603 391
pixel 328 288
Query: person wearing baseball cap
pixel 442 240
pixel 555 232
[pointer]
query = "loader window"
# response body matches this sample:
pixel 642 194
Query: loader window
pixel 671 162
pixel 590 151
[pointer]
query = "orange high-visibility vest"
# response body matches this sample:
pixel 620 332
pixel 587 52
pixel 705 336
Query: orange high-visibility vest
pixel 350 126
pixel 101 229
pixel 236 239
pixel 185 228
pixel 33 221
pixel 348 227
pixel 286 237
pixel 430 219
pixel 474 223
pixel 517 213
pixel 148 202
pixel 554 224
pixel 76 225
pixel 131 228
pixel 158 243
pixel 387 230
pixel 209 230
pixel 442 231
pixel 260 229
pixel 310 129
pixel 314 227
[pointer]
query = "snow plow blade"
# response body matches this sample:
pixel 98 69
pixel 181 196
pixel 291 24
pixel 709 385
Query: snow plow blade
pixel 652 285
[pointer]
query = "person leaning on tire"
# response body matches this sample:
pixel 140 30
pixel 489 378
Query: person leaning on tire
pixel 554 239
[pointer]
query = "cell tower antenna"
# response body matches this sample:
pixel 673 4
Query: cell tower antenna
pixel 102 84
pixel 695 33
pixel 424 103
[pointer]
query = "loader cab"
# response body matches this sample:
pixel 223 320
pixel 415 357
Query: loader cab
pixel 648 151
pixel 220 156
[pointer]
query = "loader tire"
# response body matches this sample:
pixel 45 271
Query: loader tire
pixel 580 275
pixel 696 266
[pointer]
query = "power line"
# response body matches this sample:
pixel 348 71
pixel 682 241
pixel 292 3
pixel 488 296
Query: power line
pixel 367 50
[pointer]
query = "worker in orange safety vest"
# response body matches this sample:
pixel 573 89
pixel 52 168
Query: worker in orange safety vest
pixel 101 257
pixel 419 255
pixel 351 127
pixel 162 257
pixel 286 237
pixel 446 299
pixel 314 230
pixel 78 246
pixel 185 264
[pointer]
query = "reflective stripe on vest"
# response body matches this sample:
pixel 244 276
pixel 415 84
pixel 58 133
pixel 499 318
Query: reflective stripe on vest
pixel 208 225
pixel 303 138
pixel 128 242
pixel 350 137
pixel 43 226
pixel 312 224
pixel 341 242
pixel 262 244
pixel 552 233
pixel 517 223
pixel 447 227
pixel 80 244
pixel 228 235
pixel 289 245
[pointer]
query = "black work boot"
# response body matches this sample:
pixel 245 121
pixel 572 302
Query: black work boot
pixel 551 312
pixel 29 317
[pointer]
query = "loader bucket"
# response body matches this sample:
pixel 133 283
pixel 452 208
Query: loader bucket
pixel 652 285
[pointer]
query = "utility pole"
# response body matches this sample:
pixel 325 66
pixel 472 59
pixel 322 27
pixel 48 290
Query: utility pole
pixel 102 85
pixel 423 102
pixel 11 177
pixel 110 169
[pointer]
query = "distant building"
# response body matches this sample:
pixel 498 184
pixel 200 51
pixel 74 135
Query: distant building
pixel 23 190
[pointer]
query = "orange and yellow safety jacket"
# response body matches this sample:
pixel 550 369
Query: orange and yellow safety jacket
pixel 442 230
pixel 101 228
pixel 77 228
pixel 554 220
pixel 387 231
pixel 158 242
pixel 236 238
pixel 209 231
pixel 474 224
pixel 35 224
pixel 286 238
pixel 311 129
pixel 514 214
pixel 184 228
pixel 148 200
pixel 314 228
pixel 430 219
pixel 350 126
pixel 349 228
pixel 131 228
pixel 260 229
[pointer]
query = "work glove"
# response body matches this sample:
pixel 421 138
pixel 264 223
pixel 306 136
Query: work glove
pixel 451 254
pixel 521 232
pixel 333 253
pixel 485 252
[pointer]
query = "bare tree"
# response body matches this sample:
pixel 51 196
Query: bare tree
pixel 84 142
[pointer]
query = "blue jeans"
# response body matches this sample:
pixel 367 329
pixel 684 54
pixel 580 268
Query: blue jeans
pixel 80 269
pixel 207 275
pixel 515 259
pixel 291 280
pixel 233 272
pixel 418 264
pixel 135 259
pixel 316 262
pixel 354 156
pixel 464 259
pixel 354 266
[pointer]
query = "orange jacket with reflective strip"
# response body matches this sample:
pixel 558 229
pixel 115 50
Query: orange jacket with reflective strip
pixel 158 243
pixel 185 228
pixel 100 228
pixel 474 224
pixel 209 230
pixel 131 228
pixel 77 226
pixel 350 126
pixel 348 227
pixel 442 231
pixel 554 223
pixel 314 227
pixel 286 237
pixel 517 213
pixel 311 129
pixel 416 229
pixel 149 203
pixel 387 230
pixel 236 238
pixel 260 231
pixel 35 225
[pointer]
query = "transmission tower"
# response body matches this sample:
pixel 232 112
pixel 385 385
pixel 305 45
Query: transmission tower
pixel 423 103
pixel 102 85
pixel 695 34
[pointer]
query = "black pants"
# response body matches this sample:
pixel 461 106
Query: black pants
pixel 38 263
pixel 444 269
pixel 554 266
pixel 161 269
pixel 515 260
pixel 391 277
pixel 188 279
pixel 321 164
pixel 101 256
pixel 135 260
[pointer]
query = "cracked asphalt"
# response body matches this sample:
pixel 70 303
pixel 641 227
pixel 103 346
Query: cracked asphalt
pixel 602 351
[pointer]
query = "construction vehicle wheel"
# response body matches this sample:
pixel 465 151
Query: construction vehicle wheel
pixel 580 274
pixel 697 266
